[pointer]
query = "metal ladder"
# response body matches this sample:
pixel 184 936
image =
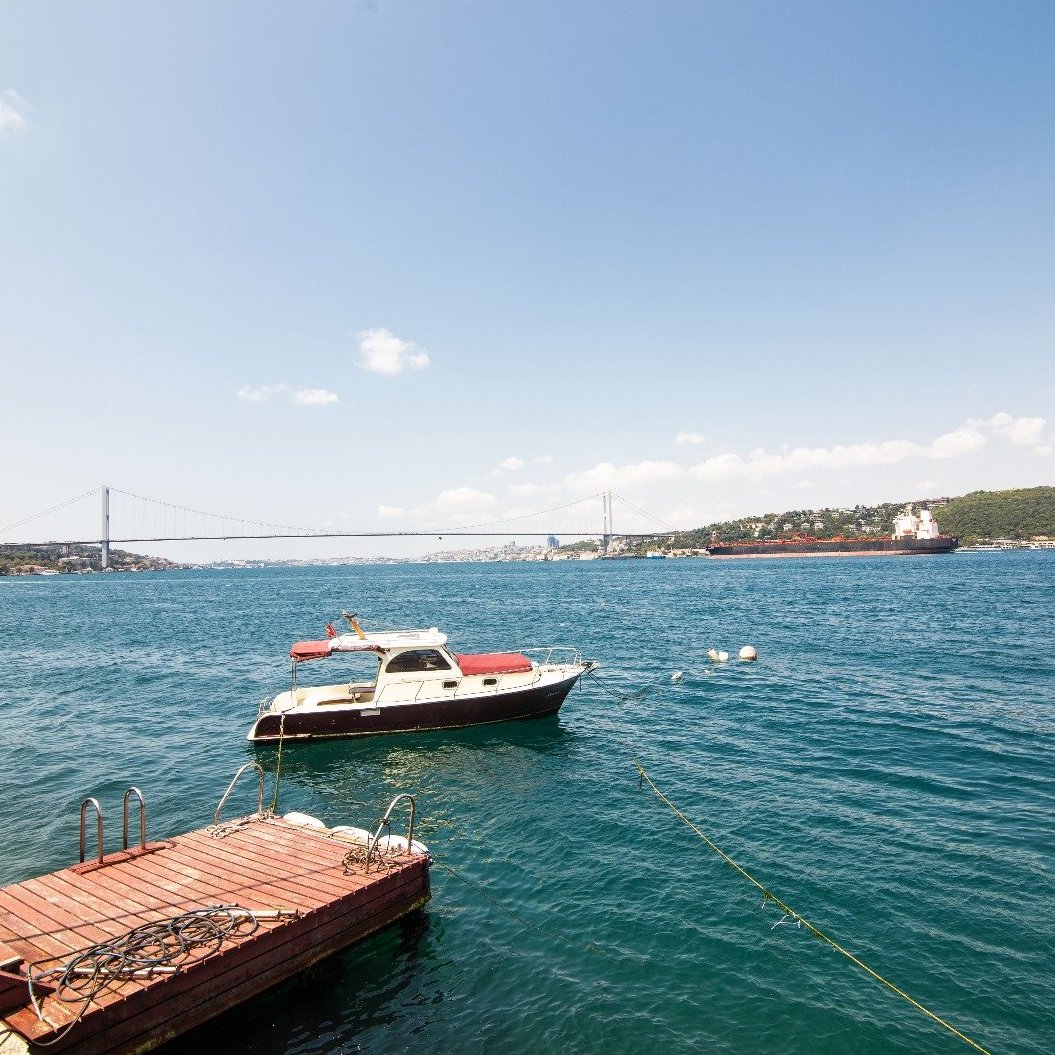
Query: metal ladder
pixel 124 826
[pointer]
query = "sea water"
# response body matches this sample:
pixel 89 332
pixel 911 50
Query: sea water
pixel 885 769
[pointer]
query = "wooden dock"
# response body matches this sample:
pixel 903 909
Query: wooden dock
pixel 291 895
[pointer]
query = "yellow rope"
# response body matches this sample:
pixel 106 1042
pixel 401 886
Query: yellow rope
pixel 789 911
pixel 278 761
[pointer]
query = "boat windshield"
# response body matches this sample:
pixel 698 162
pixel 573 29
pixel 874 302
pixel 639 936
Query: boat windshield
pixel 351 667
pixel 416 659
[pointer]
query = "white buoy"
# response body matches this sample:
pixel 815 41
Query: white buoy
pixel 748 653
pixel 723 657
pixel 677 675
pixel 717 657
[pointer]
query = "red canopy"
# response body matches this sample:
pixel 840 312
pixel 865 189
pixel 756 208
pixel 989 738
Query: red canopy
pixel 493 663
pixel 302 650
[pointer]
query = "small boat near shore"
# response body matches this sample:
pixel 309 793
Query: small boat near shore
pixel 413 683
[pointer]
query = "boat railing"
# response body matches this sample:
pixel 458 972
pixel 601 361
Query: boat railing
pixel 385 825
pixel 548 654
pixel 230 787
pixel 264 706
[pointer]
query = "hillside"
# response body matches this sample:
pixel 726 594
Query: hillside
pixel 74 559
pixel 1015 514
pixel 1020 514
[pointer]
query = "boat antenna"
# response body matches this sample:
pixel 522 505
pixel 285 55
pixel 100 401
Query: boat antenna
pixel 353 622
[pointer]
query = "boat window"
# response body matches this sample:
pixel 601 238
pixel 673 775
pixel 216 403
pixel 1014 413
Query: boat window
pixel 416 659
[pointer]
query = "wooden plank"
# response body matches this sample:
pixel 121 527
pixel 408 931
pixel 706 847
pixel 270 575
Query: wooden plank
pixel 280 892
pixel 252 861
pixel 259 964
pixel 150 877
pixel 62 924
pixel 210 980
pixel 263 865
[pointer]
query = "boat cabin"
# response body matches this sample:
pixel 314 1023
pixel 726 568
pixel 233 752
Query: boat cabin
pixel 396 667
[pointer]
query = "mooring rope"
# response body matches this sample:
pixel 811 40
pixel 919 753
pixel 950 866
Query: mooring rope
pixel 623 697
pixel 150 949
pixel 278 760
pixel 790 913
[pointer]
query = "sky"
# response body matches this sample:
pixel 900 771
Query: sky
pixel 387 266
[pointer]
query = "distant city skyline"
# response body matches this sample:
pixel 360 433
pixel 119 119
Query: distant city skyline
pixel 392 266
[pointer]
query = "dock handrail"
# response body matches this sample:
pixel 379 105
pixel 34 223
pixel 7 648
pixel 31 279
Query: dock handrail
pixel 99 820
pixel 142 820
pixel 386 822
pixel 230 787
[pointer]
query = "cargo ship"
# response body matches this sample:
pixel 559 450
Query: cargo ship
pixel 913 535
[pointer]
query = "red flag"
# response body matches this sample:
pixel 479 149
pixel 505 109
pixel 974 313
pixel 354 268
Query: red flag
pixel 330 632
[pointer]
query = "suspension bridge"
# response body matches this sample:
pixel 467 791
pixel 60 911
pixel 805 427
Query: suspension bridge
pixel 125 519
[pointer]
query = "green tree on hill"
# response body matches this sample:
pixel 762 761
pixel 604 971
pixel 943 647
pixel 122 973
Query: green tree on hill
pixel 1017 514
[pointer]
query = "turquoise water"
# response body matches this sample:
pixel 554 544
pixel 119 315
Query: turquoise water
pixel 885 768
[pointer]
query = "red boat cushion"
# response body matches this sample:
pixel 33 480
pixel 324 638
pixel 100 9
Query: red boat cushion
pixel 309 650
pixel 493 663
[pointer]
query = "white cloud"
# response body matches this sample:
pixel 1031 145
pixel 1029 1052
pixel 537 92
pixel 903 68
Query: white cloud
pixel 458 506
pixel 534 489
pixel 926 487
pixel 512 463
pixel 967 439
pixel 462 497
pixel 262 393
pixel 303 397
pixel 1043 450
pixel 383 352
pixel 314 397
pixel 689 438
pixel 964 440
pixel 1022 432
pixel 543 459
pixel 805 485
pixel 12 114
pixel 608 475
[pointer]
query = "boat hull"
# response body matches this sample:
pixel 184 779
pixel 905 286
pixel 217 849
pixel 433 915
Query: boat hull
pixel 326 723
pixel 878 547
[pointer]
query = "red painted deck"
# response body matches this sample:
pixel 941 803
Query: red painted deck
pixel 263 866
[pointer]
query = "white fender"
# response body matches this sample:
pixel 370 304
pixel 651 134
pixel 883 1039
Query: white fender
pixel 346 833
pixel 304 820
pixel 398 843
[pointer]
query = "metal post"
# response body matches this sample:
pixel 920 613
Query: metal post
pixel 106 527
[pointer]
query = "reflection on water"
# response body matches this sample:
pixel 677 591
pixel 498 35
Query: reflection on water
pixel 352 781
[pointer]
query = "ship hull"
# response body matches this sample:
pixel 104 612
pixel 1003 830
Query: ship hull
pixel 877 547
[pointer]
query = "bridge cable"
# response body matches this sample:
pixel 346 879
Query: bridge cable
pixel 53 509
pixel 648 516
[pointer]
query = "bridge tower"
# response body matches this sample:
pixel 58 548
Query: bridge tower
pixel 105 544
pixel 606 518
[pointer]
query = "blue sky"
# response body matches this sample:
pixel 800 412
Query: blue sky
pixel 389 265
